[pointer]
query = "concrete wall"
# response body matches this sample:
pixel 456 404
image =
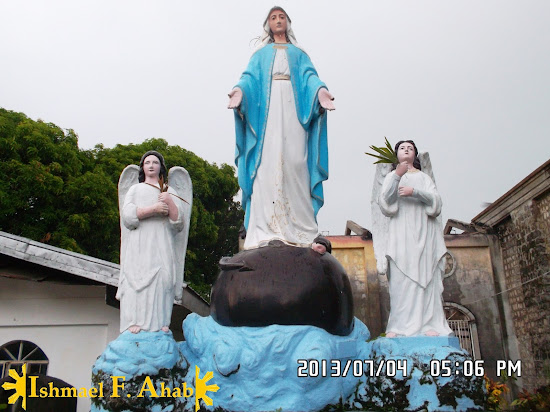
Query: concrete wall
pixel 70 323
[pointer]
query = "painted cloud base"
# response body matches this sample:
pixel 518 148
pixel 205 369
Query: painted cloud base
pixel 143 353
pixel 418 389
pixel 133 357
pixel 256 369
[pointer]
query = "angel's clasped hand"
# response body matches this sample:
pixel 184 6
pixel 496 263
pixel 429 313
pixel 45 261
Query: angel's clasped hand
pixel 401 168
pixel 161 208
pixel 405 191
pixel 165 197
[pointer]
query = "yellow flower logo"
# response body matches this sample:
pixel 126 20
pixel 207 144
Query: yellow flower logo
pixel 20 386
pixel 201 388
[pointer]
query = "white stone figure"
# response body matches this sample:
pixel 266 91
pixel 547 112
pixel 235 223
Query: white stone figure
pixel 154 222
pixel 281 150
pixel 409 245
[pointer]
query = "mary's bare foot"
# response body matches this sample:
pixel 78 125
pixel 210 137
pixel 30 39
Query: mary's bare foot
pixel 165 329
pixel 391 335
pixel 319 248
pixel 134 329
pixel 431 332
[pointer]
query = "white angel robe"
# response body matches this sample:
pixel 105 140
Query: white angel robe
pixel 281 204
pixel 147 266
pixel 415 252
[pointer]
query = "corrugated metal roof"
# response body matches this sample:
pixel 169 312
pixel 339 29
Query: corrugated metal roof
pixel 80 265
pixel 60 259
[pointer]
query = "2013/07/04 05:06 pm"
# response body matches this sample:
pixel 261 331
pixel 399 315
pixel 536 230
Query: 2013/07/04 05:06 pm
pixel 391 367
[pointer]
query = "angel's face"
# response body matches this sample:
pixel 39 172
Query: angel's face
pixel 151 167
pixel 405 153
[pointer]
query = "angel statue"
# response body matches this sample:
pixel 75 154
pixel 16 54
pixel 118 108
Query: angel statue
pixel 154 222
pixel 409 244
pixel 281 138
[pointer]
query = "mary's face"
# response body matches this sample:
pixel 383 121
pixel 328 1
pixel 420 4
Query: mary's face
pixel 405 153
pixel 151 167
pixel 278 22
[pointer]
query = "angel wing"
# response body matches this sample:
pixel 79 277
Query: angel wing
pixel 427 168
pixel 180 182
pixel 128 178
pixel 380 223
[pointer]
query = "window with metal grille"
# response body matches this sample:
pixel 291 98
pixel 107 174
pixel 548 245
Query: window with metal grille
pixel 463 324
pixel 18 352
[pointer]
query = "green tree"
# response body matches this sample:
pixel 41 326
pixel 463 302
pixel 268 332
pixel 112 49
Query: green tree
pixel 50 191
pixel 53 192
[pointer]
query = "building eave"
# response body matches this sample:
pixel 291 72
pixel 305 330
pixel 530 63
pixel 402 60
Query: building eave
pixel 529 188
pixel 80 265
pixel 60 259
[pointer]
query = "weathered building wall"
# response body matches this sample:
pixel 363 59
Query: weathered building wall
pixel 471 285
pixel 357 257
pixel 524 237
pixel 521 220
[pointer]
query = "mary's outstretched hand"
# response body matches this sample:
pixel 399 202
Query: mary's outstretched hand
pixel 325 99
pixel 235 98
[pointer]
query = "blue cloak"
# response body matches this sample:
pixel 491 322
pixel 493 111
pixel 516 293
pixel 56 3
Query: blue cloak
pixel 251 119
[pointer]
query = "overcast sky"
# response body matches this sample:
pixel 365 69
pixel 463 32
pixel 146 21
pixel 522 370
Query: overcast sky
pixel 468 80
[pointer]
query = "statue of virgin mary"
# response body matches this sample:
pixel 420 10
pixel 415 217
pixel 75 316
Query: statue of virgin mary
pixel 281 129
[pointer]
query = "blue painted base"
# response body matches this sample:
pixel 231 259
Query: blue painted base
pixel 419 388
pixel 133 358
pixel 258 368
pixel 144 353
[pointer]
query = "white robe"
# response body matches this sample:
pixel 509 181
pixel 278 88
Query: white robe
pixel 415 253
pixel 147 266
pixel 281 202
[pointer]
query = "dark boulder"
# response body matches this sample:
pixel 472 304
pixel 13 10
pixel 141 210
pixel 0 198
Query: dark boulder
pixel 284 285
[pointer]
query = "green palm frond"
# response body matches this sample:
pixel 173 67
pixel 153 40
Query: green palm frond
pixel 385 153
